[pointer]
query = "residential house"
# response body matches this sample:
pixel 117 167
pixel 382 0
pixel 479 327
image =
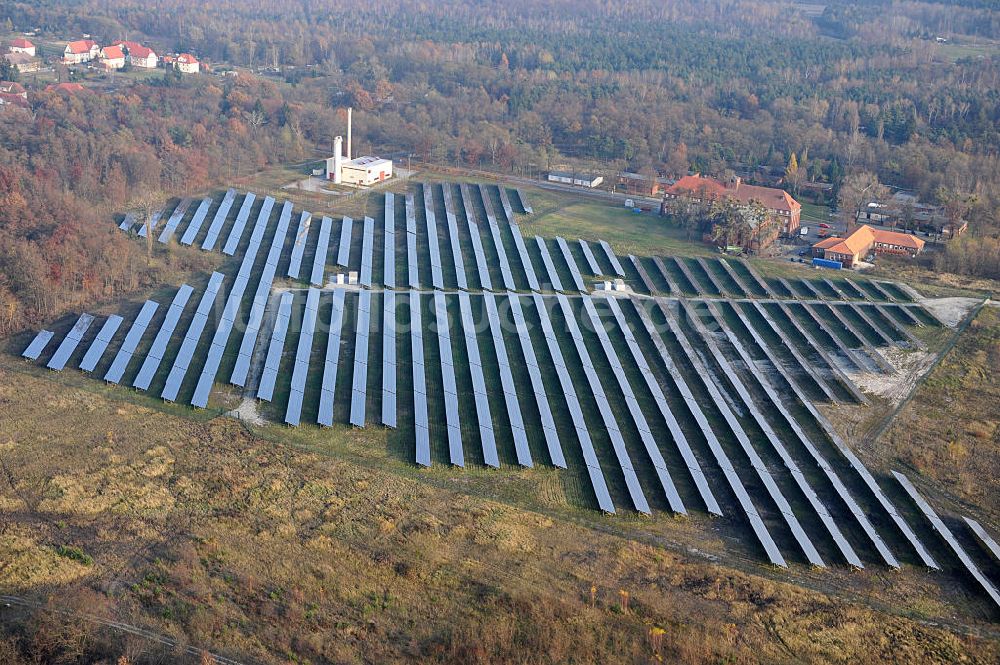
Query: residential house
pixel 187 64
pixel 13 94
pixel 22 45
pixel 80 51
pixel 71 88
pixel 24 62
pixel 641 184
pixel 142 56
pixel 865 241
pixel 112 57
pixel 779 204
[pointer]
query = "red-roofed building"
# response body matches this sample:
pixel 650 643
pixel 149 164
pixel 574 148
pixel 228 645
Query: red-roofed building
pixel 13 88
pixel 187 64
pixel 142 56
pixel 83 50
pixel 22 45
pixel 779 204
pixel 864 241
pixel 112 57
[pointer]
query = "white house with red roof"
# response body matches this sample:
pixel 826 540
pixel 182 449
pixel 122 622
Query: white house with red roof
pixel 83 50
pixel 112 57
pixel 142 56
pixel 187 63
pixel 780 205
pixel 22 45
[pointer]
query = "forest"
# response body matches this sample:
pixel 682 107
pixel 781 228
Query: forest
pixel 522 86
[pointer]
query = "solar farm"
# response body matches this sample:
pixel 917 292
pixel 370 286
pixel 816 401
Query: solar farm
pixel 664 385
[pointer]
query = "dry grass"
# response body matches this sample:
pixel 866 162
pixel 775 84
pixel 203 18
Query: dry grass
pixel 273 554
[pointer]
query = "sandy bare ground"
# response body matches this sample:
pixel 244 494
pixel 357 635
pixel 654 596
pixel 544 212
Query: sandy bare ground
pixel 247 412
pixel 909 366
pixel 950 311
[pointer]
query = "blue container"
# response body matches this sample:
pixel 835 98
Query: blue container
pixel 826 263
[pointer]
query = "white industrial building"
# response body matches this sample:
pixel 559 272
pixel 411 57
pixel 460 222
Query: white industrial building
pixel 577 179
pixel 360 172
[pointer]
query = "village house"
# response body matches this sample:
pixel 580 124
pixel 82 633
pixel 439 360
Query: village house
pixel 13 94
pixel 81 51
pixel 187 64
pixel 112 57
pixel 641 184
pixel 71 88
pixel 24 62
pixel 142 56
pixel 864 241
pixel 22 45
pixel 779 204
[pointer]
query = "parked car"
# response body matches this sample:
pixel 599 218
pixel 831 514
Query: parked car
pixel 824 225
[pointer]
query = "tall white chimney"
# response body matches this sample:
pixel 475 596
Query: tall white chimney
pixel 349 156
pixel 338 159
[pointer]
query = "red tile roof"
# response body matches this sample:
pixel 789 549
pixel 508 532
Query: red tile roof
pixel 81 46
pixel 140 51
pixel 187 59
pixel 865 237
pixel 127 44
pixel 65 87
pixel 710 188
pixel 13 99
pixel 113 53
pixel 21 42
pixel 11 87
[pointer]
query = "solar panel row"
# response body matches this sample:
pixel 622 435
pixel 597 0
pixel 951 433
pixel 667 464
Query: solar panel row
pixel 159 348
pixel 344 248
pixel 236 233
pixel 514 417
pixel 745 289
pixel 856 359
pixel 450 387
pixel 456 248
pixel 293 411
pixel 195 225
pixel 437 275
pixel 477 242
pixel 772 437
pixel 522 251
pixel 154 220
pixel 778 404
pixel 721 457
pixel 276 347
pixel 359 389
pixel 322 249
pixel 479 391
pixel 413 271
pixel 984 537
pixel 66 348
pixel 186 353
pixel 859 349
pixel 524 203
pixel 604 409
pixel 597 479
pixel 612 259
pixel 131 341
pixel 588 255
pixel 38 345
pixel 805 543
pixel 631 402
pixel 256 317
pixel 174 220
pixel 100 343
pixel 574 271
pixel 949 538
pixel 680 440
pixel 230 312
pixel 491 221
pixel 550 267
pixel 672 284
pixel 421 434
pixel 129 221
pixel 685 271
pixel 647 283
pixel 299 244
pixel 389 248
pixel 367 251
pixel 713 283
pixel 332 361
pixel 389 359
pixel 212 235
pixel 537 386
pixel 508 211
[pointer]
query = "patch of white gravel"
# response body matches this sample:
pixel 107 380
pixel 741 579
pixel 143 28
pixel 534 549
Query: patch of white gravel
pixel 909 366
pixel 950 311
pixel 247 412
